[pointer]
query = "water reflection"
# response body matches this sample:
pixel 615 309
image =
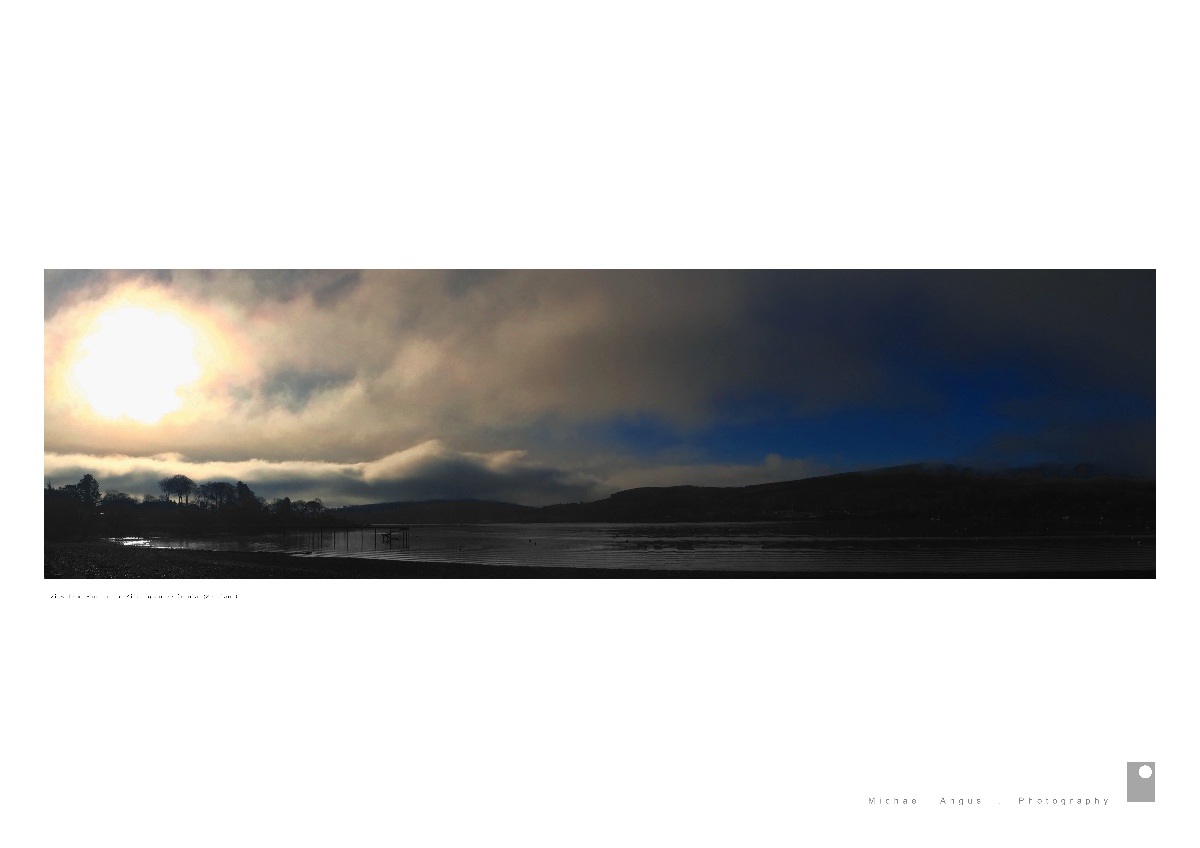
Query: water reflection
pixel 673 546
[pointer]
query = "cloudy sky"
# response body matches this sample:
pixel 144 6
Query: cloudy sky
pixel 547 387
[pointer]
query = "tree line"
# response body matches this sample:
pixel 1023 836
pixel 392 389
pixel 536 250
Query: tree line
pixel 222 496
pixel 181 504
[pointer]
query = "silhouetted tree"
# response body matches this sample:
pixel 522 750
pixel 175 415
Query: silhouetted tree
pixel 88 491
pixel 73 508
pixel 179 486
pixel 119 510
pixel 218 495
pixel 119 499
pixel 246 499
pixel 300 507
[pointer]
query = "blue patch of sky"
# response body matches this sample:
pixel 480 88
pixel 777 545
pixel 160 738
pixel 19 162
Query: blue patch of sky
pixel 957 415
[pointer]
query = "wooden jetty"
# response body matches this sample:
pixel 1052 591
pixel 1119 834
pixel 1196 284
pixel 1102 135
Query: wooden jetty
pixel 393 534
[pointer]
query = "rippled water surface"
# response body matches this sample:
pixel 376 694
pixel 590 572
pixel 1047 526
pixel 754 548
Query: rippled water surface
pixel 750 547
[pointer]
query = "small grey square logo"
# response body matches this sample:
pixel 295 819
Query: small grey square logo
pixel 1139 781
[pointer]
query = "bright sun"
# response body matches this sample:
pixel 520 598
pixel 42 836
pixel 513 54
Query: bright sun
pixel 134 363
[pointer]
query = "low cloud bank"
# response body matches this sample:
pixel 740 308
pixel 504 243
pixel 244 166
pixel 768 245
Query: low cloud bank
pixel 428 471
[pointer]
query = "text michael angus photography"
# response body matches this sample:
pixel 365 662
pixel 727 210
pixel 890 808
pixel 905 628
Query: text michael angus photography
pixel 957 801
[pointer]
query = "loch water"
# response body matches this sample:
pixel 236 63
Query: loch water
pixel 725 547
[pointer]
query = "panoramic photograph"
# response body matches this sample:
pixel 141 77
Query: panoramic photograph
pixel 599 424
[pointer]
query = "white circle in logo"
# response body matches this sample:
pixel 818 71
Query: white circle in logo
pixel 1145 771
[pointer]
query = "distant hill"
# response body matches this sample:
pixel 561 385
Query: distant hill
pixel 1040 494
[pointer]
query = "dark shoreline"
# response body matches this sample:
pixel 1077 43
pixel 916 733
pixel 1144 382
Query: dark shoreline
pixel 101 559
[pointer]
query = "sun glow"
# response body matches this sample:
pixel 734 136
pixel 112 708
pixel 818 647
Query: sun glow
pixel 135 362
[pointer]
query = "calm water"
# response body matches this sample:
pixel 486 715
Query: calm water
pixel 751 547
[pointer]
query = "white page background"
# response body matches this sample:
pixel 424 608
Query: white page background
pixel 586 713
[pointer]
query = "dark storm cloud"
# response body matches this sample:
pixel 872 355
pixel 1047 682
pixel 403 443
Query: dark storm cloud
pixel 1097 327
